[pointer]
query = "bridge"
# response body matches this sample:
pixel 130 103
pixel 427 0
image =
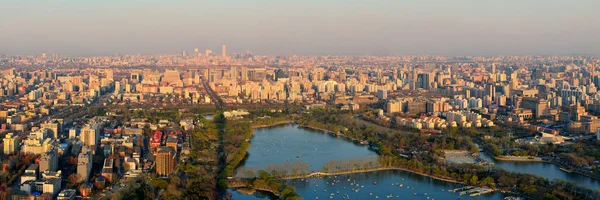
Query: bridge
pixel 355 171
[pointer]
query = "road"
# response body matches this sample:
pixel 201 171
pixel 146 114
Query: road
pixel 213 96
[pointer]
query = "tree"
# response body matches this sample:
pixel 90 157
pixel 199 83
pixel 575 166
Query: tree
pixel 159 183
pixel 528 189
pixel 474 180
pixel 489 181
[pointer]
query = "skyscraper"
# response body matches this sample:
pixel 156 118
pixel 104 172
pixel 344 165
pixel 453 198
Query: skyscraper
pixel 224 53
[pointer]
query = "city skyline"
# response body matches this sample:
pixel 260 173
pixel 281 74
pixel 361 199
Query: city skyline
pixel 354 28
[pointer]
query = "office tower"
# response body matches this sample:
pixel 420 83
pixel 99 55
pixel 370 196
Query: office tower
pixel 208 52
pixel 84 164
pixel 165 161
pixel 493 70
pixel 425 80
pixel 44 55
pixel 224 51
pixel 49 161
pixel 196 50
pixel 10 144
pixel 183 54
pixel 89 136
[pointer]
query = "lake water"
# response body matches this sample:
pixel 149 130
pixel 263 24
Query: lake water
pixel 547 170
pixel 290 143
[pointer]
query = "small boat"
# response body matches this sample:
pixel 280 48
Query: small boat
pixel 374 183
pixel 415 194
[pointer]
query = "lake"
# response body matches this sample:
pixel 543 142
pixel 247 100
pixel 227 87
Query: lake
pixel 276 145
pixel 547 170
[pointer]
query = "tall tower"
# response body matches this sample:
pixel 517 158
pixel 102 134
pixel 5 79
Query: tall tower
pixel 224 53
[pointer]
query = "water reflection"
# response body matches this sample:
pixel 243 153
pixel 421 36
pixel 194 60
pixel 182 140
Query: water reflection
pixel 547 170
pixel 290 143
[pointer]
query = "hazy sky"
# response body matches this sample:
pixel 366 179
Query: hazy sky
pixel 304 27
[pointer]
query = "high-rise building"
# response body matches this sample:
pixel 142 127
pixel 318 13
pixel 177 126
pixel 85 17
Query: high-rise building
pixel 84 164
pixel 109 74
pixel 382 94
pixel 49 161
pixel 224 51
pixel 10 144
pixel 171 76
pixel 89 136
pixel 233 73
pixel 394 106
pixel 165 161
pixel 54 126
pixel 244 73
pixel 425 80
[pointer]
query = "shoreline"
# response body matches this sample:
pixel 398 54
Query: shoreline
pixel 518 159
pixel 274 124
pixel 561 167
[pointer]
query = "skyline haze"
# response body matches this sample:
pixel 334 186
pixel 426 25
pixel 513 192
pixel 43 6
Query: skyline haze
pixel 355 28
